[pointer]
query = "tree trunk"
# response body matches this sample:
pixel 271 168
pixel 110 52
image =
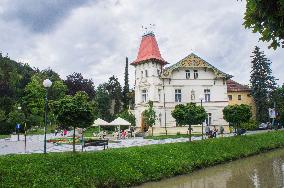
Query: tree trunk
pixel 152 131
pixel 74 139
pixel 189 129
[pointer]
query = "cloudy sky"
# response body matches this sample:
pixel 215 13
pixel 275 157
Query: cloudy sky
pixel 94 36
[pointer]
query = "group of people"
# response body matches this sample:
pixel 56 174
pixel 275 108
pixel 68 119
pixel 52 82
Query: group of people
pixel 213 133
pixel 123 134
pixel 63 132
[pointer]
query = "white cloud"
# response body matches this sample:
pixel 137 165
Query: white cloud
pixel 94 38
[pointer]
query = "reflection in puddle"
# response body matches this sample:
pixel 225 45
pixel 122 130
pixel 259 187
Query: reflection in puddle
pixel 264 170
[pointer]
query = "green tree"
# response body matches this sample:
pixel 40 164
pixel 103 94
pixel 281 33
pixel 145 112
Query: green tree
pixel 114 89
pixel 33 101
pixel 74 111
pixel 57 91
pixel 262 83
pixel 15 117
pixel 125 93
pixel 150 116
pixel 189 114
pixel 102 103
pixel 76 82
pixel 128 116
pixel 237 114
pixel 277 96
pixel 267 18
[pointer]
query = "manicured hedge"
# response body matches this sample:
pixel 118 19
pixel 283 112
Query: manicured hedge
pixel 128 166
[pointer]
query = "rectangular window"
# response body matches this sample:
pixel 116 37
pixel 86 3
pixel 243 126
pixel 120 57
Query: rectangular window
pixel 158 72
pixel 195 74
pixel 239 97
pixel 159 94
pixel 187 74
pixel 178 95
pixel 144 95
pixel 207 95
pixel 192 95
pixel 141 74
pixel 146 73
pixel 230 97
pixel 209 119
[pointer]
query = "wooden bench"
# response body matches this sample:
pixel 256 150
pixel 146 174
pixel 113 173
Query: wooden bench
pixel 95 143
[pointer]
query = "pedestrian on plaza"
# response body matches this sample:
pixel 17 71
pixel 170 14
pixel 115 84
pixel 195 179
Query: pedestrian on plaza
pixel 65 132
pixel 55 132
pixel 215 130
pixel 207 131
pixel 222 130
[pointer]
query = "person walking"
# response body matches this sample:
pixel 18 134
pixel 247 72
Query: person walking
pixel 222 130
pixel 65 132
pixel 207 131
pixel 215 130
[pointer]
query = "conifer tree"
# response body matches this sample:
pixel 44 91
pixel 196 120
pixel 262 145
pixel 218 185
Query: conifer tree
pixel 125 98
pixel 262 83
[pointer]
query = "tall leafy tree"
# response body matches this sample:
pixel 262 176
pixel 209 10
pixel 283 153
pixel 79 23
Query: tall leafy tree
pixel 75 111
pixel 76 82
pixel 125 93
pixel 115 93
pixel 189 114
pixel 237 114
pixel 262 83
pixel 33 101
pixel 102 103
pixel 150 116
pixel 278 98
pixel 267 18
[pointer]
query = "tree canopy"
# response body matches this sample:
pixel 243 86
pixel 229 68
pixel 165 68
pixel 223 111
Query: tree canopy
pixel 267 18
pixel 189 114
pixel 237 114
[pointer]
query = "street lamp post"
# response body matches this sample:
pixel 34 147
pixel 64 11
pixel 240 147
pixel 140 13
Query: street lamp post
pixel 47 84
pixel 201 98
pixel 18 128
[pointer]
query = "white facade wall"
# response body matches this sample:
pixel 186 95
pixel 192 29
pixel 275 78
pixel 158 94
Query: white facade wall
pixel 153 84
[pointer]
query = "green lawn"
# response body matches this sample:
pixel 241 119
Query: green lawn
pixel 126 167
pixel 4 136
pixel 160 137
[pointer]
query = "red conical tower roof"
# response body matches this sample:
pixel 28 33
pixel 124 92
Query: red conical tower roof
pixel 149 50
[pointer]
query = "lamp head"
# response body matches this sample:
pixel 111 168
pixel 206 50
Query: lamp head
pixel 201 97
pixel 47 83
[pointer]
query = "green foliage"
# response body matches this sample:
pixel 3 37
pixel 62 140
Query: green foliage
pixel 189 114
pixel 76 82
pixel 161 137
pixel 114 89
pixel 128 116
pixel 102 103
pixel 74 111
pixel 277 96
pixel 237 114
pixel 127 167
pixel 267 18
pixel 15 117
pixel 250 125
pixel 262 83
pixel 150 115
pixel 125 92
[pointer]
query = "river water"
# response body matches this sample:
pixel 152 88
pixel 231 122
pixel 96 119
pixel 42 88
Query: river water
pixel 263 170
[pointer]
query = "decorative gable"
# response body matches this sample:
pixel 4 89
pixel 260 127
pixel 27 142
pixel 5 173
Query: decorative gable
pixel 193 61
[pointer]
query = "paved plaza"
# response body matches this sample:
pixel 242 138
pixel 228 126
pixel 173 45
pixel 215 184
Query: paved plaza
pixel 35 144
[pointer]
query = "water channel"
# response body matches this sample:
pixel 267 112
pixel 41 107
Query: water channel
pixel 263 170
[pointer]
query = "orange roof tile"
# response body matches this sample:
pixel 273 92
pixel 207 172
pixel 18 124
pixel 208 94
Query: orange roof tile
pixel 235 86
pixel 149 50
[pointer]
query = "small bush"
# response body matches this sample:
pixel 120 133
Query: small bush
pixel 251 125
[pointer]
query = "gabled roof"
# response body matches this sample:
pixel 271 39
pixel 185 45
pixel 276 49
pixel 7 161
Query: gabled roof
pixel 119 121
pixel 149 50
pixel 235 86
pixel 99 122
pixel 193 61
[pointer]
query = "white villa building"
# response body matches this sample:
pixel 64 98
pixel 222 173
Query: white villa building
pixel 188 80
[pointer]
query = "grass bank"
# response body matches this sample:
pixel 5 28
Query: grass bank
pixel 160 137
pixel 129 166
pixel 2 136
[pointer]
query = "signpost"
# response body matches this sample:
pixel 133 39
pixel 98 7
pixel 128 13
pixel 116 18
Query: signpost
pixel 18 126
pixel 272 114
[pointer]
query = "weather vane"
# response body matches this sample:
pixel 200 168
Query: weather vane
pixel 149 29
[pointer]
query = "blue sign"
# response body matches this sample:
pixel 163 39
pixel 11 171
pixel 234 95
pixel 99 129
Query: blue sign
pixel 18 126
